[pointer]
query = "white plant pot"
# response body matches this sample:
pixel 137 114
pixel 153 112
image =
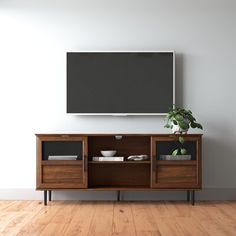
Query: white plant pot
pixel 177 129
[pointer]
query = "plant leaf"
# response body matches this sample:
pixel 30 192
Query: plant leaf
pixel 196 125
pixel 199 126
pixel 175 122
pixel 167 126
pixel 193 125
pixel 183 125
pixel 183 151
pixel 179 117
pixel 175 152
pixel 181 139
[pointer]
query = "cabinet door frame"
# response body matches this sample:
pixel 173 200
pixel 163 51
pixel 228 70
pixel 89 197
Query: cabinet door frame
pixel 39 162
pixel 197 163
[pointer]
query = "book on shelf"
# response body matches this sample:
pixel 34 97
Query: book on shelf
pixel 108 158
pixel 62 157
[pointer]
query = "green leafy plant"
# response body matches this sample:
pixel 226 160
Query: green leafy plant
pixel 181 117
pixel 184 119
pixel 180 150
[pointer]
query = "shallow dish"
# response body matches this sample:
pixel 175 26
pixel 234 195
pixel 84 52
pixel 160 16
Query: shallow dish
pixel 108 153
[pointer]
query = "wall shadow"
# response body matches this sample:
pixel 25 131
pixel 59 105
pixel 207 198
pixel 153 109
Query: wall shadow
pixel 179 78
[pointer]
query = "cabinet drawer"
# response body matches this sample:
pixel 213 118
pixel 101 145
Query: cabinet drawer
pixel 176 176
pixel 62 174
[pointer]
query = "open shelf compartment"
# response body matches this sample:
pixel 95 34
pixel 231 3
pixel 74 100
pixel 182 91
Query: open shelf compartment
pixel 119 175
pixel 126 146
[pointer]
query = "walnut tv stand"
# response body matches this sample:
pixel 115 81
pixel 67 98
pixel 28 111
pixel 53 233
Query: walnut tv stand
pixel 84 173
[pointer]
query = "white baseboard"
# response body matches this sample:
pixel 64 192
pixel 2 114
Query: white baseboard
pixel 204 195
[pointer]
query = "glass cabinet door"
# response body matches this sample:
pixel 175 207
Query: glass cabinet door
pixel 62 162
pixel 176 164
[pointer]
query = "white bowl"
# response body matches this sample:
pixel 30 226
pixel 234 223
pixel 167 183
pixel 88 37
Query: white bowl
pixel 108 153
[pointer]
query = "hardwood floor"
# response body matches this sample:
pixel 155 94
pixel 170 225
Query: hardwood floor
pixel 117 218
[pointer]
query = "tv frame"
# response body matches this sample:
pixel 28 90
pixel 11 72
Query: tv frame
pixel 126 51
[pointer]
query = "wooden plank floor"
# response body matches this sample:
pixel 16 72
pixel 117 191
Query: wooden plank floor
pixel 117 218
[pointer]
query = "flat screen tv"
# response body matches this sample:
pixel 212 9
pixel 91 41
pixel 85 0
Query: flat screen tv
pixel 120 83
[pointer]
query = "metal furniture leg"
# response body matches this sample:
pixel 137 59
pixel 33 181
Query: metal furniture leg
pixel 118 195
pixel 45 197
pixel 50 195
pixel 188 195
pixel 193 197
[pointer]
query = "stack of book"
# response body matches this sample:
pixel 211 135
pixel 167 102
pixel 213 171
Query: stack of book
pixel 108 158
pixel 62 157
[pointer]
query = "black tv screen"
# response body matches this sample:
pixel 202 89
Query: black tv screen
pixel 120 82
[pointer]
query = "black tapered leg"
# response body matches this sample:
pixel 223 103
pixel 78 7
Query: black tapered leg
pixel 193 197
pixel 45 197
pixel 118 195
pixel 50 195
pixel 188 195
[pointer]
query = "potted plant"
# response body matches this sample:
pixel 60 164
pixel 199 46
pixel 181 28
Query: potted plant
pixel 180 120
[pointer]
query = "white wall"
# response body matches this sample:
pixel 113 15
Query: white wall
pixel 34 39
